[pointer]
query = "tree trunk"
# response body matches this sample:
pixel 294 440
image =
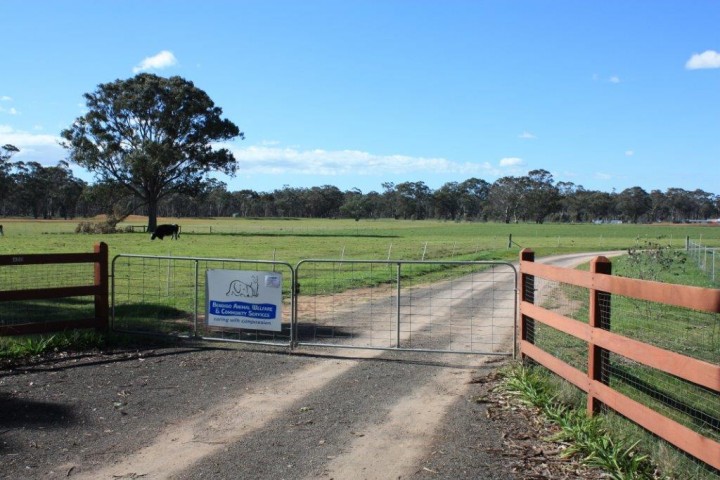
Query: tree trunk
pixel 152 215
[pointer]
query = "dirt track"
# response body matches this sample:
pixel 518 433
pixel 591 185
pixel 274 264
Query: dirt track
pixel 227 412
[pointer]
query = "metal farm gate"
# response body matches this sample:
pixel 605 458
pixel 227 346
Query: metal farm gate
pixel 167 295
pixel 432 306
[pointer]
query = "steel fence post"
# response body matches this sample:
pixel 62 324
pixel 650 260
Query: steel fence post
pixel 397 280
pixel 196 303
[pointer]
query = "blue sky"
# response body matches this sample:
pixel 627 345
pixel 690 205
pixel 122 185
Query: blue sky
pixel 605 94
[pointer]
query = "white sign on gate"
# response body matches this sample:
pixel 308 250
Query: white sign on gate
pixel 244 299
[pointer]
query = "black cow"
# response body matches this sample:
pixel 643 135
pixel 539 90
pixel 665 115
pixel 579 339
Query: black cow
pixel 1 231
pixel 165 230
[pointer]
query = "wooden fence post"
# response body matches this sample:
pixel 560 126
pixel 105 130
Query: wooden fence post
pixel 527 294
pixel 102 309
pixel 599 317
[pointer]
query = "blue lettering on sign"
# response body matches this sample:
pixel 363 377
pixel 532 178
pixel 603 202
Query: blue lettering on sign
pixel 243 309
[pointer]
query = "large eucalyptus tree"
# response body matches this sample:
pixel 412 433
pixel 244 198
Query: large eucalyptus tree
pixel 152 136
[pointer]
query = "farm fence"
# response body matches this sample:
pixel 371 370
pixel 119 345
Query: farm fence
pixel 647 350
pixel 705 257
pixel 42 293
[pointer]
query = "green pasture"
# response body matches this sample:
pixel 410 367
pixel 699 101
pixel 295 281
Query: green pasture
pixel 290 240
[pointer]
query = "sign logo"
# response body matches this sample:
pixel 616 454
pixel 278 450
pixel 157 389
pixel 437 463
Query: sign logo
pixel 244 299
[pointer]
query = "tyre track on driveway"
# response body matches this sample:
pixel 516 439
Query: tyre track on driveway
pixel 190 440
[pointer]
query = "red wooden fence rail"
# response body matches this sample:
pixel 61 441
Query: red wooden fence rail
pixel 601 285
pixel 100 290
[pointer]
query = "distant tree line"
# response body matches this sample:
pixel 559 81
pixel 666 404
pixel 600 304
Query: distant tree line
pixel 29 189
pixel 149 142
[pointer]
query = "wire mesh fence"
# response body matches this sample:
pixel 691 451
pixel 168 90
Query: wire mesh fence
pixel 564 299
pixel 461 307
pixel 706 258
pixel 688 332
pixel 47 275
pixel 46 312
pixel 466 307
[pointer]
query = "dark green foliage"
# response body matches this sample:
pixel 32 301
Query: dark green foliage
pixel 152 137
pixel 585 436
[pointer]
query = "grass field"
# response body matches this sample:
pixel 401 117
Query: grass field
pixel 290 240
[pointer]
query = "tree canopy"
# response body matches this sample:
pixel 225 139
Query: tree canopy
pixel 31 189
pixel 153 137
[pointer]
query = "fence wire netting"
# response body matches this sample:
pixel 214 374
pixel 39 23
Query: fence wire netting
pixel 567 300
pixel 458 307
pixel 167 295
pixel 340 303
pixel 42 277
pixel 706 258
pixel 688 332
pixel 53 275
pixel 447 306
pixel 681 330
pixel 691 405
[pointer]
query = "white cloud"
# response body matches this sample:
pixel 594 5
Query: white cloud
pixel 707 59
pixel 277 160
pixel 10 111
pixel 511 162
pixel 612 79
pixel 44 149
pixel 527 136
pixel 629 153
pixel 162 60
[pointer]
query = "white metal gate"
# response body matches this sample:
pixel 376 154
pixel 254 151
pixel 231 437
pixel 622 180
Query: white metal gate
pixel 167 295
pixel 433 306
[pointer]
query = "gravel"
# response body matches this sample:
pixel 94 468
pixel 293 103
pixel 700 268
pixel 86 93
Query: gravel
pixel 68 414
